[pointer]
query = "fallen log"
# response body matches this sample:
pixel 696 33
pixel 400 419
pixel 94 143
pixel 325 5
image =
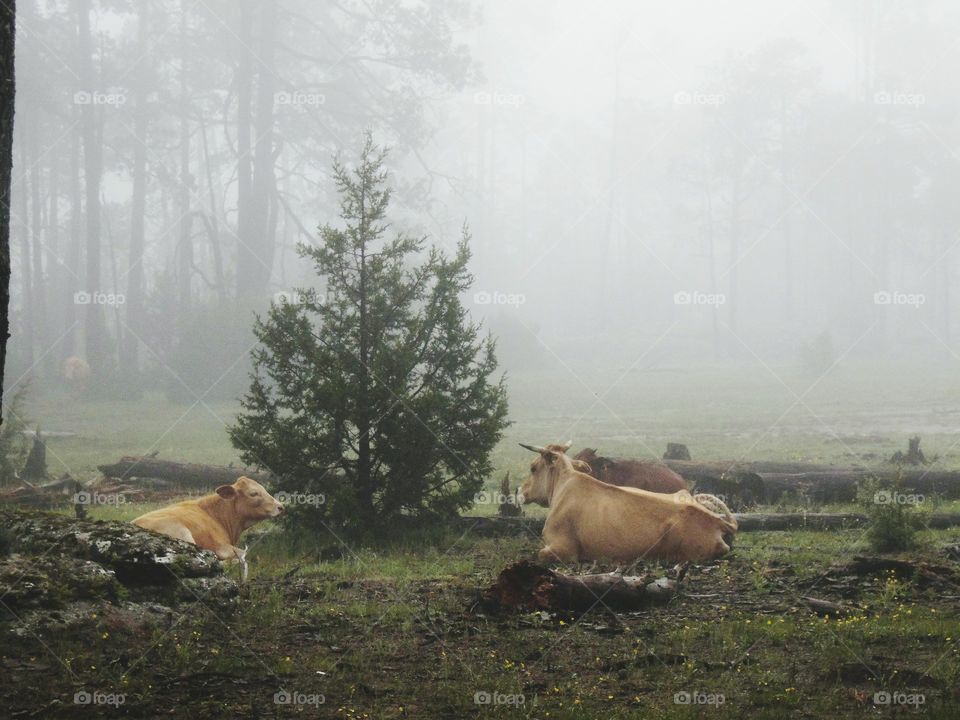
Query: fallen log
pixel 922 573
pixel 528 587
pixel 753 522
pixel 44 496
pixel 819 483
pixel 748 522
pixel 186 474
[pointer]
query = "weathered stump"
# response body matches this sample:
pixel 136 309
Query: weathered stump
pixel 676 451
pixel 35 468
pixel 528 587
pixel 914 454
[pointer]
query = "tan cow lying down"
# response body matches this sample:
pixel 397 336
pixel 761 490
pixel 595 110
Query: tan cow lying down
pixel 590 520
pixel 215 522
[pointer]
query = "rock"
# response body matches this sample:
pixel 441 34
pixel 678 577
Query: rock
pixel 136 556
pixel 62 574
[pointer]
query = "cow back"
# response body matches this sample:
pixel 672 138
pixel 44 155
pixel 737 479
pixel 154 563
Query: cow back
pixel 649 475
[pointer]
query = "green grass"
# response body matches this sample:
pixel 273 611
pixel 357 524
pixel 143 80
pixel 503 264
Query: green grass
pixel 384 631
pixel 855 414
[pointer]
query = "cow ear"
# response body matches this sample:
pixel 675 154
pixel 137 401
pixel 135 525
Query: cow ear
pixel 226 491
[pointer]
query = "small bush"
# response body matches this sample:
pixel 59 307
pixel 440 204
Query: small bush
pixel 893 514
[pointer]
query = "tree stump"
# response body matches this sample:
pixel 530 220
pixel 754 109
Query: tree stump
pixel 35 468
pixel 914 454
pixel 509 505
pixel 528 587
pixel 676 451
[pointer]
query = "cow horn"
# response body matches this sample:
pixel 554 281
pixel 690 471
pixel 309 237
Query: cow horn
pixel 534 448
pixel 567 445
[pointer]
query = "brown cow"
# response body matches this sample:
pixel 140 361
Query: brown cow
pixel 641 474
pixel 215 522
pixel 591 520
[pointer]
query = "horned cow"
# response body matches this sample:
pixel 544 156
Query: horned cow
pixel 591 520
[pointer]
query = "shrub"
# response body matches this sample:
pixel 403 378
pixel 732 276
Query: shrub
pixel 894 515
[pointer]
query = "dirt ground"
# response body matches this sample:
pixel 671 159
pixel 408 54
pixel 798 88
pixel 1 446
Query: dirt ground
pixel 400 634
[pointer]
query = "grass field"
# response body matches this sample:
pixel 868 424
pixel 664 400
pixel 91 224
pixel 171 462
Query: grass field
pixel 852 414
pixel 392 631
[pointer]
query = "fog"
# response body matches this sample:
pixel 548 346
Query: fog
pixel 649 186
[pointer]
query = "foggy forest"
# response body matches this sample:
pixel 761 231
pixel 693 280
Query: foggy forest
pixel 438 302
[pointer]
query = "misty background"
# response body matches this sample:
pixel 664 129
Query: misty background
pixel 687 219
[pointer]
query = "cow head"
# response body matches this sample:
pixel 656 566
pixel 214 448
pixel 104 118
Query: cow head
pixel 250 499
pixel 544 471
pixel 597 464
pixel 587 455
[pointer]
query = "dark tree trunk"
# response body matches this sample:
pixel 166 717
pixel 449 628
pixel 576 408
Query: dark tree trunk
pixel 130 349
pixel 96 341
pixel 244 148
pixel 58 282
pixel 26 268
pixel 7 94
pixel 39 314
pixel 69 307
pixel 185 244
pixel 256 180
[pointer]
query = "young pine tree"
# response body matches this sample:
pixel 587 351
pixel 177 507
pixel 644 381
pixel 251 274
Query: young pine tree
pixel 377 394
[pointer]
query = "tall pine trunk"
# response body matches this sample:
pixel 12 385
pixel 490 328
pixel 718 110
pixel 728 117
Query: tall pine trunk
pixel 130 348
pixel 40 320
pixel 256 178
pixel 26 268
pixel 184 244
pixel 96 340
pixel 7 93
pixel 70 309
